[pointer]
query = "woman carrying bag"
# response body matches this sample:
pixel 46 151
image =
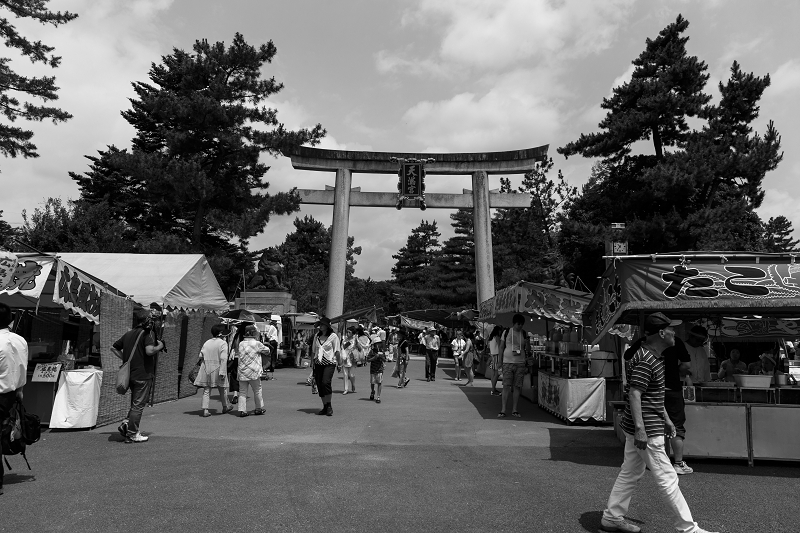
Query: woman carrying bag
pixel 327 354
pixel 214 369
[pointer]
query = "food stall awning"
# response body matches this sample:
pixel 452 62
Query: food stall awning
pixel 692 286
pixel 182 281
pixel 370 313
pixel 535 300
pixel 450 318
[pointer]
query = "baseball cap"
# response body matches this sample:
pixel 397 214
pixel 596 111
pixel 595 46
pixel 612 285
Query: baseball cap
pixel 658 321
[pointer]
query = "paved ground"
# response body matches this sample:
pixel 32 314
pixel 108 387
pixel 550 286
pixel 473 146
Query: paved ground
pixel 431 457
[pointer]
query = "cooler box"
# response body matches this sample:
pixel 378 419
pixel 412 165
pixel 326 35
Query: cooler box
pixel 603 364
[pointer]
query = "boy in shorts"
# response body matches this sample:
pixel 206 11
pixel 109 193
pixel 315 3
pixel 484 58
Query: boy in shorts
pixel 376 362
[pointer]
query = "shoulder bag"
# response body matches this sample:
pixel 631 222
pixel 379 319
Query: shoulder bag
pixel 124 373
pixel 195 371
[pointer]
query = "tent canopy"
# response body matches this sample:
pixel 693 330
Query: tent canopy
pixel 542 302
pixel 370 313
pixel 183 281
pixel 450 318
pixel 696 285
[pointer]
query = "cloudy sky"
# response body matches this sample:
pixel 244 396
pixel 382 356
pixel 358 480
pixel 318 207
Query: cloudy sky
pixel 406 76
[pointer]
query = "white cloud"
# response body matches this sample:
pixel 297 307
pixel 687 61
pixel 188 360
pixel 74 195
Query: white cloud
pixel 500 33
pixel 786 78
pixel 520 110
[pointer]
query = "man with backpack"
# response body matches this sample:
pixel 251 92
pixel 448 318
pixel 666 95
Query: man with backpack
pixel 13 369
pixel 140 348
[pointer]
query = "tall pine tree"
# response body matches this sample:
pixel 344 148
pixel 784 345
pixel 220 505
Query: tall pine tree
pixel 414 260
pixel 453 281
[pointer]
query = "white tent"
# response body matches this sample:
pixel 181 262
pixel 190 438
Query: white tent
pixel 183 281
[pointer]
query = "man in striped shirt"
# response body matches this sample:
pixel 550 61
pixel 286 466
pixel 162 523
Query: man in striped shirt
pixel 646 423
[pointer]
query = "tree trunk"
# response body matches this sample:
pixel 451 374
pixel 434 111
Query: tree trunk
pixel 657 143
pixel 198 225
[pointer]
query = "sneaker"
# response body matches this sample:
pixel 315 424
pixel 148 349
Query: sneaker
pixel 701 530
pixel 622 525
pixel 399 386
pixel 682 468
pixel 259 411
pixel 123 429
pixel 406 382
pixel 345 392
pixel 329 410
pixel 138 437
pixel 377 400
pixel 428 380
pixel 243 414
pixel 496 393
pixel 371 395
pixel 323 411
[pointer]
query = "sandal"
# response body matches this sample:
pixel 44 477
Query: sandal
pixel 259 411
pixel 501 415
pixel 516 414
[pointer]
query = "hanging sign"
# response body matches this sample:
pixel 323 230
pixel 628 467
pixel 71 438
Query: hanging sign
pixel 77 292
pixel 28 277
pixel 46 372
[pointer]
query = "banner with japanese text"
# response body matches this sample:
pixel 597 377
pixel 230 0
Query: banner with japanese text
pixel 26 276
pixel 77 292
pixel 709 285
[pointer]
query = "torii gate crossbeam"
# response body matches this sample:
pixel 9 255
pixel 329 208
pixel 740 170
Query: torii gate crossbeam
pixel 480 199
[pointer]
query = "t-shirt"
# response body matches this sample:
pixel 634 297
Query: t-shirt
pixel 326 349
pixel 13 361
pixel 142 365
pixel 645 371
pixel 402 349
pixel 673 357
pixel 376 364
pixel 515 344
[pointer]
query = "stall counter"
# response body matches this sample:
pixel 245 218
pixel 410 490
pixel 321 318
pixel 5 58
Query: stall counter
pixel 572 399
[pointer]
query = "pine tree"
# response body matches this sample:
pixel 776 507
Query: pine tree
pixel 453 280
pixel 665 88
pixel 778 235
pixel 13 139
pixel 413 261
pixel 6 231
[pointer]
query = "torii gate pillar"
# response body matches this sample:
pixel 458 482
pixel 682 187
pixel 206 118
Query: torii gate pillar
pixel 482 229
pixel 338 253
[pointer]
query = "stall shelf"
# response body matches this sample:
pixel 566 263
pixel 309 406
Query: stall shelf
pixel 572 399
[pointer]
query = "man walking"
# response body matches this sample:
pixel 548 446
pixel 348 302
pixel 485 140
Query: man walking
pixel 431 353
pixel 271 336
pixel 644 423
pixel 13 369
pixel 141 349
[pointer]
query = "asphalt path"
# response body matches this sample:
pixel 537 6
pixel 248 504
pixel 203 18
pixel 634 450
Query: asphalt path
pixel 430 457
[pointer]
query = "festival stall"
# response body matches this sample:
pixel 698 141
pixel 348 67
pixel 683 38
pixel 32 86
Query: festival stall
pixel 746 301
pixel 561 366
pixel 71 309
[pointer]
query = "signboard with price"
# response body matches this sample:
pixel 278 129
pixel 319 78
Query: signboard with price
pixel 46 372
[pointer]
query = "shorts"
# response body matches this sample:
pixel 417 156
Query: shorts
pixel 676 409
pixel 376 379
pixel 513 374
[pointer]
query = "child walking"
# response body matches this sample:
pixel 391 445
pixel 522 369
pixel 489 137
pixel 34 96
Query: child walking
pixel 402 359
pixel 376 362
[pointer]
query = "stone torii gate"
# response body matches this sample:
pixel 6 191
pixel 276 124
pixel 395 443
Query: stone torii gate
pixel 480 199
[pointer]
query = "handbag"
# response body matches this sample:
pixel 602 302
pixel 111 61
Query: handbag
pixel 193 373
pixel 124 372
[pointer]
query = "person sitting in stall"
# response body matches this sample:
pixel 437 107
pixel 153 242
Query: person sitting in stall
pixel 764 366
pixel 731 366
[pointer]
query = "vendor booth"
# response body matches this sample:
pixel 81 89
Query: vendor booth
pixel 564 380
pixel 70 315
pixel 749 302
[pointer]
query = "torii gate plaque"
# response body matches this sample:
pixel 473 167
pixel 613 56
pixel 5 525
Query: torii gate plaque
pixel 480 199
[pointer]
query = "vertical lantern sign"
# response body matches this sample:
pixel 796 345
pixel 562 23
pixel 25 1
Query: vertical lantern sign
pixel 412 183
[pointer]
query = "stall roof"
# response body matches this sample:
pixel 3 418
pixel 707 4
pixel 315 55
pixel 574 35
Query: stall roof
pixel 183 281
pixel 451 318
pixel 539 300
pixel 694 285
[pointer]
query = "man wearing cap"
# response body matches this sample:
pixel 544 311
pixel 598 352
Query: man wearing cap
pixel 645 423
pixel 431 353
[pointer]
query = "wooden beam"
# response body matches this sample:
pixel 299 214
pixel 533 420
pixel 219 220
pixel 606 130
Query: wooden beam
pixel 511 162
pixel 432 200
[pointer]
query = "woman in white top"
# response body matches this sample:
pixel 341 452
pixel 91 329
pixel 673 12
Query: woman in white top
pixel 348 366
pixel 494 351
pixel 327 354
